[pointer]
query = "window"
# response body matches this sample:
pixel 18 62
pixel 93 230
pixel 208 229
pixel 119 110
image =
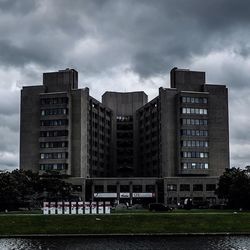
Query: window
pixel 77 188
pixel 197 144
pixel 137 188
pixel 187 99
pixel 111 188
pixel 56 166
pixel 150 188
pixel 99 188
pixel 54 133
pixel 62 144
pixel 184 187
pixel 194 165
pixel 171 187
pixel 191 132
pixel 124 188
pixel 210 187
pixel 194 154
pixel 54 155
pixel 61 122
pixel 197 187
pixel 196 111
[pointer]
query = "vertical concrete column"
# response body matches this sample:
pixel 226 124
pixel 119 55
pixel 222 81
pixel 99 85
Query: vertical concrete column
pixel 118 191
pixel 191 191
pixel 92 191
pixel 131 192
pixel 156 193
pixel 83 192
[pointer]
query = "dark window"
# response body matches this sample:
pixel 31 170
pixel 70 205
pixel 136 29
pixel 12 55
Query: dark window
pixel 112 188
pixel 184 187
pixel 197 187
pixel 77 188
pixel 171 187
pixel 150 188
pixel 124 188
pixel 99 188
pixel 137 188
pixel 210 187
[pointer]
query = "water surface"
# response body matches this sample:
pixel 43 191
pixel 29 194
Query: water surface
pixel 129 243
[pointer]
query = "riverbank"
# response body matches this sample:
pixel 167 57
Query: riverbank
pixel 129 224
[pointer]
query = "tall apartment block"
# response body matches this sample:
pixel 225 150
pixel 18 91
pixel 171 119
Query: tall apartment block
pixel 126 149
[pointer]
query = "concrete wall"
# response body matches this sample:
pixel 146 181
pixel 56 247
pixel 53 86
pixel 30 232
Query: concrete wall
pixel 168 114
pixel 30 127
pixel 187 80
pixel 218 129
pixel 63 80
pixel 79 132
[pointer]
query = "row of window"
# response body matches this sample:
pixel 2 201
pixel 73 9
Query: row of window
pixel 198 144
pixel 124 188
pixel 62 155
pixel 55 166
pixel 194 165
pixel 194 154
pixel 102 110
pixel 188 99
pixel 203 122
pixel 186 187
pixel 55 133
pixel 196 111
pixel 55 144
pixel 60 122
pixel 57 100
pixel 193 132
pixel 59 111
pixel 124 118
pixel 124 126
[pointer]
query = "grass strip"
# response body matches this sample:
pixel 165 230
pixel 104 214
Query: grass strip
pixel 125 223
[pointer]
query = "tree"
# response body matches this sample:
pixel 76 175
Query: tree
pixel 234 188
pixel 24 189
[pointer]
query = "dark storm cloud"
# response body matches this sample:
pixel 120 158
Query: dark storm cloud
pixel 16 6
pixel 144 37
pixel 151 36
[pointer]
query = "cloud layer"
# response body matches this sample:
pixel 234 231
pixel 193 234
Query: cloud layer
pixel 124 46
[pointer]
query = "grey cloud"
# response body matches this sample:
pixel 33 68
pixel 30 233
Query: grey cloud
pixel 147 37
pixel 16 6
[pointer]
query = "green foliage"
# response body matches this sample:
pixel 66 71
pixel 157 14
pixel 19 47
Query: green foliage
pixel 149 223
pixel 21 188
pixel 234 187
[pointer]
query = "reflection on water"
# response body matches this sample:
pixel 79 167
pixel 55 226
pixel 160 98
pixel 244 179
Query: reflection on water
pixel 133 242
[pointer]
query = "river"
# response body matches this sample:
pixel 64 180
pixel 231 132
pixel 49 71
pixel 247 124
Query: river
pixel 128 243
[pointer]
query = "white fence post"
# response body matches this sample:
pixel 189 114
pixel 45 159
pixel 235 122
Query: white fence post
pixel 73 207
pixel 80 207
pixel 107 207
pixel 93 207
pixel 87 207
pixel 100 207
pixel 52 208
pixel 59 207
pixel 45 207
pixel 66 207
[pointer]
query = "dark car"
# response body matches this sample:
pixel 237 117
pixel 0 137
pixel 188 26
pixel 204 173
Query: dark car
pixel 158 207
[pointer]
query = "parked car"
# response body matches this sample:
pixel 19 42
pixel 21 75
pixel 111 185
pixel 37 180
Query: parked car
pixel 158 207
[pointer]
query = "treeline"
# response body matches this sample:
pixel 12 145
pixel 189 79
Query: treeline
pixel 234 188
pixel 25 189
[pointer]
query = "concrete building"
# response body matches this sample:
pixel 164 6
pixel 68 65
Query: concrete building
pixel 125 148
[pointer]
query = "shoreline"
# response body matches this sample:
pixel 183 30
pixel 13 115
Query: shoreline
pixel 124 235
pixel 124 225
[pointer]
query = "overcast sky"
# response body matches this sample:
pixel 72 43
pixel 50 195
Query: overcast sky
pixel 124 45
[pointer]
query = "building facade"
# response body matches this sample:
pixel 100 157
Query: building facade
pixel 125 148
